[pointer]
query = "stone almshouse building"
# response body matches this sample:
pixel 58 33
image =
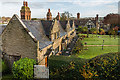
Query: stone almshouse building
pixel 36 39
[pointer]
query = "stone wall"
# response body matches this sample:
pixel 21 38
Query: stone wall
pixel 16 41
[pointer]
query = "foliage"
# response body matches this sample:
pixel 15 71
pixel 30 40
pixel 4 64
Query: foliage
pixel 102 31
pixel 67 72
pixel 85 29
pixel 110 32
pixel 64 67
pixel 66 15
pixel 113 31
pixel 23 68
pixel 78 47
pixel 103 67
pixel 34 19
pixel 93 30
pixel 80 29
pixel 4 68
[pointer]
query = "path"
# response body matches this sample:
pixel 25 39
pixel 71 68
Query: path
pixel 101 45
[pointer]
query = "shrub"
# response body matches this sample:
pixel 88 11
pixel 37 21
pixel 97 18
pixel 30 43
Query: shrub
pixel 4 68
pixel 66 72
pixel 104 67
pixel 23 68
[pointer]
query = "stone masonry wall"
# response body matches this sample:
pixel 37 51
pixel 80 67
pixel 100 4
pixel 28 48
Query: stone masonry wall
pixel 16 41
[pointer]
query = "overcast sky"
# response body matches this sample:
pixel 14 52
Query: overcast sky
pixel 39 8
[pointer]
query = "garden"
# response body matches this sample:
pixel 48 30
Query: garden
pixel 92 58
pixel 89 60
pixel 96 45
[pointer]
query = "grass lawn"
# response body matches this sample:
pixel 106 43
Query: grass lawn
pixel 95 51
pixel 99 41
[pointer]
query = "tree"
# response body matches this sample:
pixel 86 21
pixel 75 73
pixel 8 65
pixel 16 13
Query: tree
pixel 80 29
pixel 85 30
pixel 66 15
pixel 115 29
pixel 102 31
pixel 110 32
pixel 93 30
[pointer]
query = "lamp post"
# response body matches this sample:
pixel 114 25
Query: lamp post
pixel 102 47
pixel 103 44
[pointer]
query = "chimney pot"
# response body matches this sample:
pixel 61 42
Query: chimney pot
pixel 78 15
pixel 26 4
pixel 48 10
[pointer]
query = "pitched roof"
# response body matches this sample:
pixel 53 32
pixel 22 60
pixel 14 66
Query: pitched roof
pixel 63 24
pixel 2 27
pixel 36 28
pixel 71 23
pixel 82 22
pixel 62 31
pixel 47 25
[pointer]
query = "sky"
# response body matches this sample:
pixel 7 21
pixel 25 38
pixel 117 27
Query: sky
pixel 39 8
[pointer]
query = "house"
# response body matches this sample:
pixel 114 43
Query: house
pixel 86 22
pixel 35 39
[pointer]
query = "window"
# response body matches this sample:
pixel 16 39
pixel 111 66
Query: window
pixel 53 36
pixel 57 34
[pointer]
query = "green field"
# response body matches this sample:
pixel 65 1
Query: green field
pixel 95 51
pixel 99 41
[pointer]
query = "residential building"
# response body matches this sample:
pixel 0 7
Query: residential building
pixel 35 39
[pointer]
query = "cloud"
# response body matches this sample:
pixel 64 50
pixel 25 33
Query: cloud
pixel 93 3
pixel 39 8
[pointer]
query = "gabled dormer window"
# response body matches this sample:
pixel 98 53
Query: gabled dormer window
pixel 56 35
pixel 53 36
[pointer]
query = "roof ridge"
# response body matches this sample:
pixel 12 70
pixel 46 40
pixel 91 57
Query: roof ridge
pixel 30 33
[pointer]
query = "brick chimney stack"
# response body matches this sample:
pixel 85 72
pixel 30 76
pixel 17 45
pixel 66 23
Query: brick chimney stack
pixel 97 22
pixel 48 10
pixel 49 15
pixel 96 17
pixel 25 11
pixel 58 16
pixel 78 15
pixel 26 4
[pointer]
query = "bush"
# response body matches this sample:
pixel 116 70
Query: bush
pixel 4 68
pixel 23 69
pixel 104 67
pixel 70 71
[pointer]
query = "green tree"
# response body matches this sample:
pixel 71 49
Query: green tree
pixel 85 30
pixel 80 29
pixel 93 30
pixel 110 32
pixel 66 15
pixel 102 31
pixel 23 68
pixel 115 31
